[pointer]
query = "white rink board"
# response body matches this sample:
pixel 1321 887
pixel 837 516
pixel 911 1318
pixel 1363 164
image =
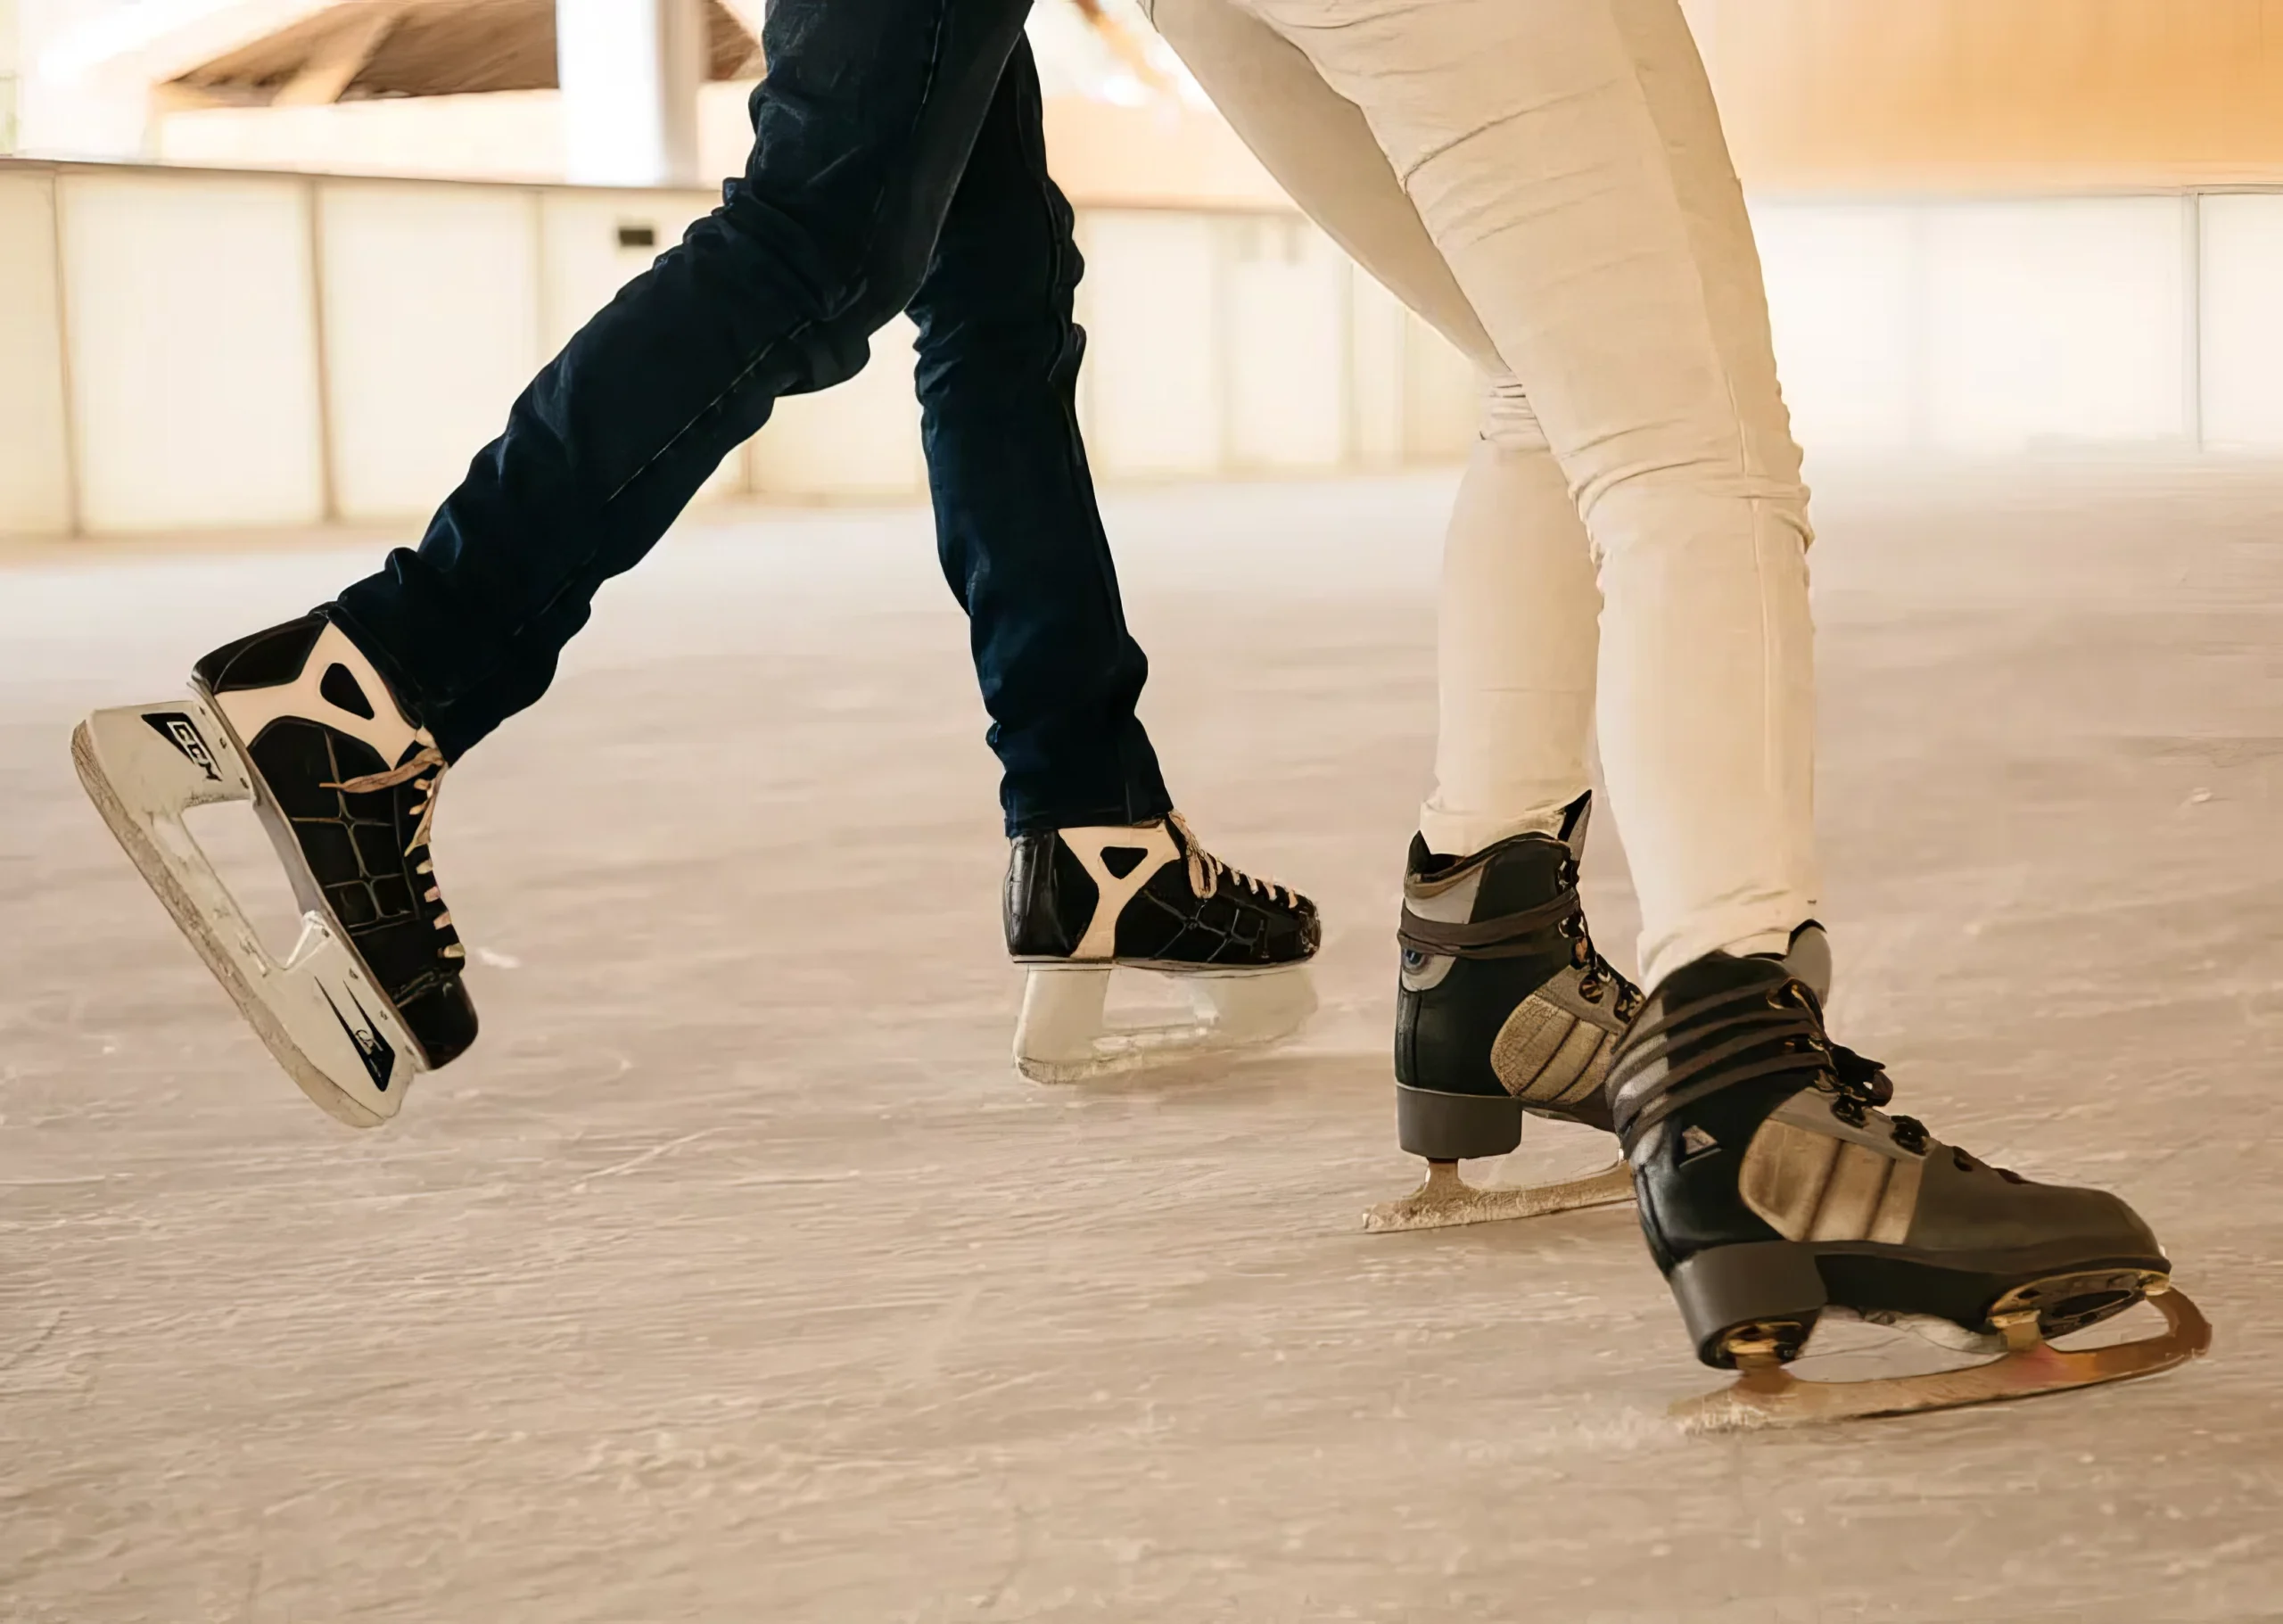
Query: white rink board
pixel 35 479
pixel 431 326
pixel 2242 321
pixel 191 326
pixel 1220 343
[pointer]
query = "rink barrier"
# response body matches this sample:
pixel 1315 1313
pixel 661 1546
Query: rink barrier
pixel 186 349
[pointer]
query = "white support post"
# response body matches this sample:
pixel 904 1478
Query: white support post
pixel 630 71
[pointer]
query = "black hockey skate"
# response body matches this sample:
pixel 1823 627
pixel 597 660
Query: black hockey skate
pixel 296 721
pixel 1775 1192
pixel 1080 902
pixel 1504 1009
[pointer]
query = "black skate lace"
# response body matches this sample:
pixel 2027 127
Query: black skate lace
pixel 1862 1087
pixel 428 761
pixel 1599 972
pixel 1206 870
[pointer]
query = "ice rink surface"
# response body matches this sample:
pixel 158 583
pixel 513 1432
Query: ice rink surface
pixel 735 1276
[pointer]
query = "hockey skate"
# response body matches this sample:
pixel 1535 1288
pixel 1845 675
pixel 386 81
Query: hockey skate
pixel 296 722
pixel 1505 1010
pixel 1775 1192
pixel 1081 903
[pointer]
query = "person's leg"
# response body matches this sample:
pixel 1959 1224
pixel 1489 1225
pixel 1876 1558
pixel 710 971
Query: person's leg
pixel 1502 1005
pixel 338 727
pixel 1016 522
pixel 1516 648
pixel 862 128
pixel 1567 158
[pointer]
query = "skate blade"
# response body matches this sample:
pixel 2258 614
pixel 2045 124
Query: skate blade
pixel 317 1012
pixel 1766 1394
pixel 1064 1037
pixel 1446 1199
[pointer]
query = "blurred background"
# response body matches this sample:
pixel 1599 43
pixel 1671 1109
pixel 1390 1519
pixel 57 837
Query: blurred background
pixel 284 262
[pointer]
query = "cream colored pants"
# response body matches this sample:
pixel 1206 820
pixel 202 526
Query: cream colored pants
pixel 1546 182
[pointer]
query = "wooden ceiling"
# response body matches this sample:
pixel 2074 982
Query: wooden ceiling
pixel 364 50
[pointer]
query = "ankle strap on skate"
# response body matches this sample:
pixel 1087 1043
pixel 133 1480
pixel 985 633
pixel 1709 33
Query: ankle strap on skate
pixel 1510 935
pixel 1748 1022
pixel 1520 934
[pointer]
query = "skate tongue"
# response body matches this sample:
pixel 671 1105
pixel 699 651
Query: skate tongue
pixel 1575 818
pixel 1808 957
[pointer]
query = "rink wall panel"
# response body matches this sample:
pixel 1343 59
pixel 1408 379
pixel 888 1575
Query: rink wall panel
pixel 419 366
pixel 191 336
pixel 186 349
pixel 2239 338
pixel 35 445
pixel 857 442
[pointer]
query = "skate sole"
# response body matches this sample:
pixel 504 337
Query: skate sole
pixel 1790 1283
pixel 1447 1201
pixel 195 920
pixel 1766 1394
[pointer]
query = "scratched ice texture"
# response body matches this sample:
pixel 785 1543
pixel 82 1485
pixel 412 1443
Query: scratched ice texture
pixel 734 1276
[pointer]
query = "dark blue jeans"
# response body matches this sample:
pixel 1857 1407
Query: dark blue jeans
pixel 899 164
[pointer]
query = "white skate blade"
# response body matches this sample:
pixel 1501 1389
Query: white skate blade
pixel 1767 1395
pixel 1064 1037
pixel 317 1012
pixel 1446 1199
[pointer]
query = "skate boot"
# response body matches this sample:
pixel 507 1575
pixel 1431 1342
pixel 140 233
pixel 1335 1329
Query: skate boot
pixel 296 722
pixel 1504 1009
pixel 1082 900
pixel 1775 1192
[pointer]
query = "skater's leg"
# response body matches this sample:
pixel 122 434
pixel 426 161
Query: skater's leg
pixel 1516 652
pixel 338 727
pixel 1502 1005
pixel 1518 634
pixel 863 128
pixel 1020 536
pixel 1566 158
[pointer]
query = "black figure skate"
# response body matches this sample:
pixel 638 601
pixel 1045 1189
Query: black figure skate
pixel 296 722
pixel 1505 1010
pixel 1775 1193
pixel 1080 902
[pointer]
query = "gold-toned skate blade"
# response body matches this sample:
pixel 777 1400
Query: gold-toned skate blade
pixel 1765 1395
pixel 1447 1201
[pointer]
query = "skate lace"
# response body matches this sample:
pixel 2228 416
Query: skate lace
pixel 1206 870
pixel 1863 1090
pixel 424 771
pixel 1599 972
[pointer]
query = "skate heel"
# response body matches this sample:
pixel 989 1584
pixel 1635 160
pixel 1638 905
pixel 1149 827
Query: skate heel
pixel 1063 1033
pixel 316 1011
pixel 1766 1295
pixel 1445 1127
